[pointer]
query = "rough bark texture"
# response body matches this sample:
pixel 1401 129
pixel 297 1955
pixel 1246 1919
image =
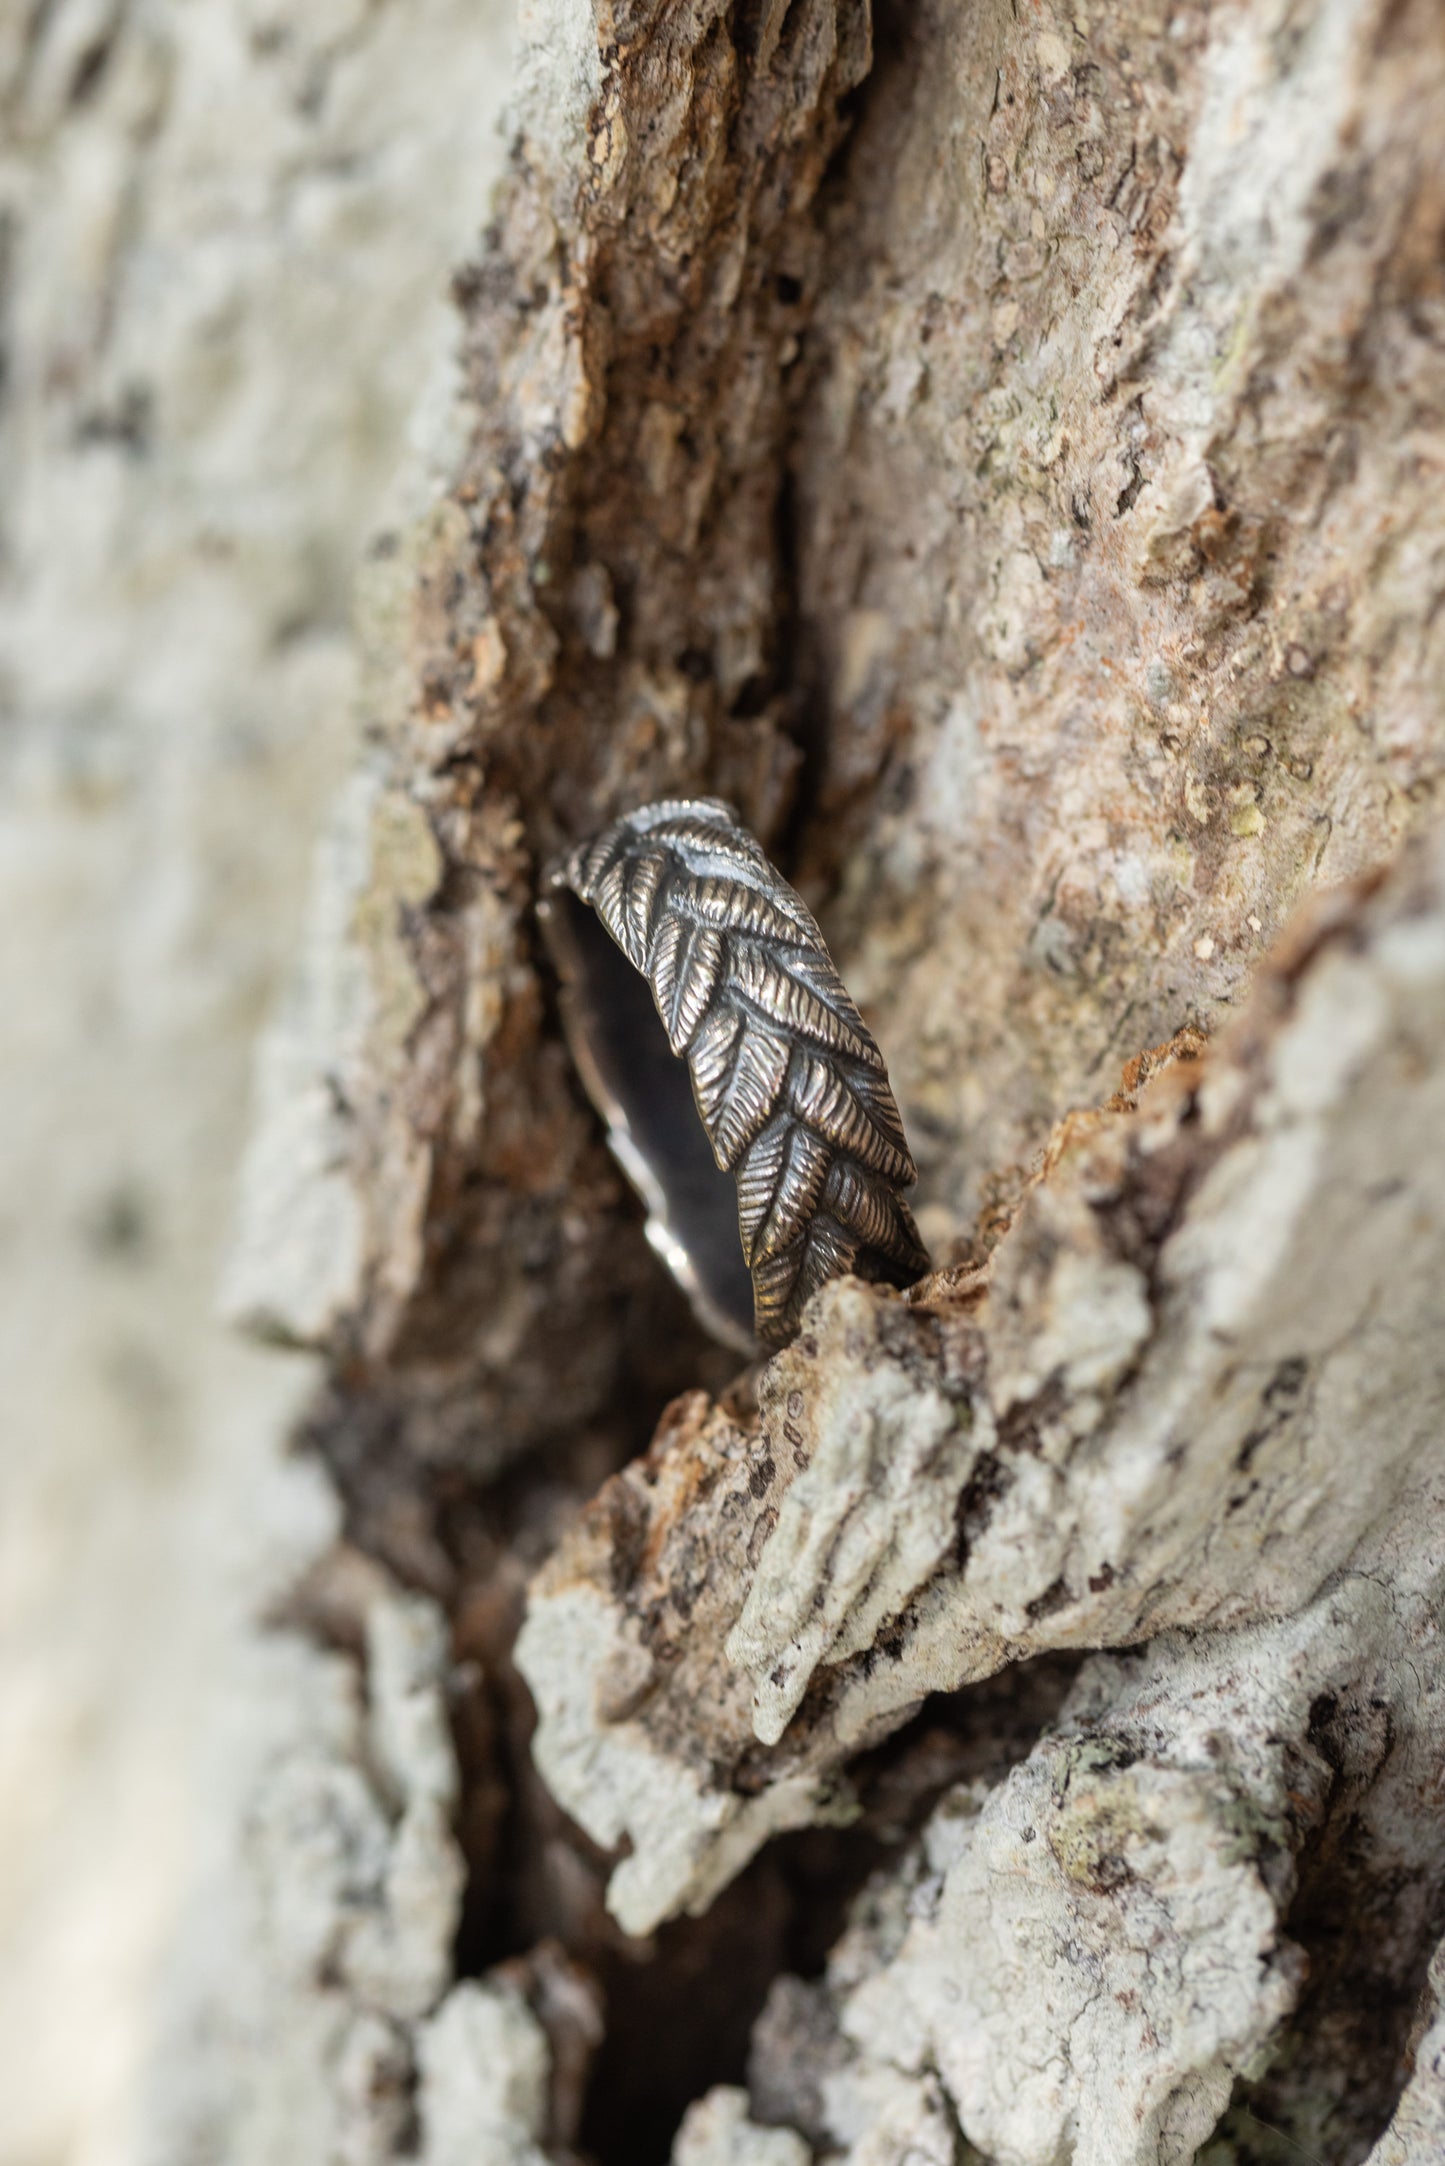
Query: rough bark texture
pixel 998 447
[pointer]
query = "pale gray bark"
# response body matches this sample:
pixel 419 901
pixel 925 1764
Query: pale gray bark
pixel 226 234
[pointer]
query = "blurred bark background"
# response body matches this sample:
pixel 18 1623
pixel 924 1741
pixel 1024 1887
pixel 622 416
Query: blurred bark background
pixel 225 237
pixel 1000 448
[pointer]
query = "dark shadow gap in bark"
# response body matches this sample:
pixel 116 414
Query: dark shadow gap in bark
pixel 813 846
pixel 1368 1918
pixel 680 2005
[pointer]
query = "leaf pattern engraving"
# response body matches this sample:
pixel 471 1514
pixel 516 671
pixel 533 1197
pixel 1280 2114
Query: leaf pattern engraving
pixel 789 1085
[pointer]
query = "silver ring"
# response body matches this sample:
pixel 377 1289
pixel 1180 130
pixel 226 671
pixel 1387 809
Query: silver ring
pixel 791 1091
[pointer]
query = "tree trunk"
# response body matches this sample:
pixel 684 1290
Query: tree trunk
pixel 1000 449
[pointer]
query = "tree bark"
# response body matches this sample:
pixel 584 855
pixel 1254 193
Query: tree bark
pixel 999 448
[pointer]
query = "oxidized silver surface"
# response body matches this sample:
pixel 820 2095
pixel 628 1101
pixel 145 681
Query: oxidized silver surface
pixel 790 1087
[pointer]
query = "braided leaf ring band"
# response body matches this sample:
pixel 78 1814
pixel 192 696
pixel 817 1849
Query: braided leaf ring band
pixel 791 1091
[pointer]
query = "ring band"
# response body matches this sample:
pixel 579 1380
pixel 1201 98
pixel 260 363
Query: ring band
pixel 790 1089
